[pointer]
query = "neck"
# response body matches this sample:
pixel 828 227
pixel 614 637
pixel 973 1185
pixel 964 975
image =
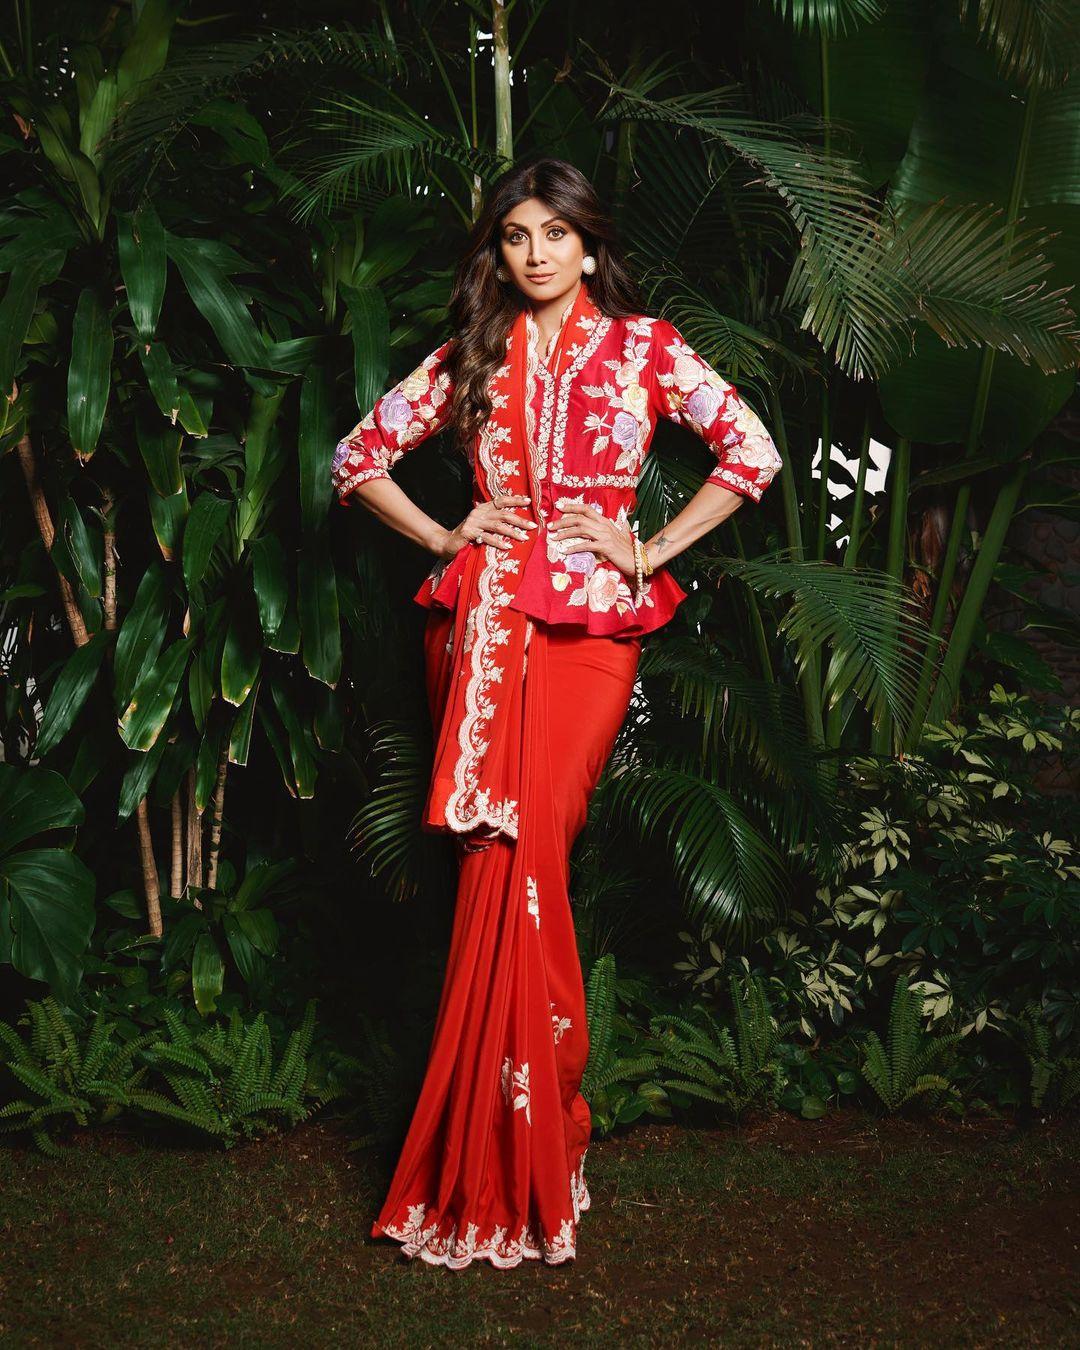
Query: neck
pixel 548 313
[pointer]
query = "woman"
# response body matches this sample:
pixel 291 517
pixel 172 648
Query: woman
pixel 553 381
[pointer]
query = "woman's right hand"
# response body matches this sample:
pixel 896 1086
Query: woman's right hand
pixel 489 524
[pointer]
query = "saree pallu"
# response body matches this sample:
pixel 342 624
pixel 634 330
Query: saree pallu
pixel 493 1164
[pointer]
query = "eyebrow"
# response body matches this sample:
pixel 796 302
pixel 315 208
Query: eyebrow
pixel 513 224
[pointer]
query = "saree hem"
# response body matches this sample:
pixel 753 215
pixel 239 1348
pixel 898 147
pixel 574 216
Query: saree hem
pixel 423 1239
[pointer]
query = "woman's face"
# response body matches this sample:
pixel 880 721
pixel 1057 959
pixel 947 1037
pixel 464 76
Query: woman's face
pixel 541 251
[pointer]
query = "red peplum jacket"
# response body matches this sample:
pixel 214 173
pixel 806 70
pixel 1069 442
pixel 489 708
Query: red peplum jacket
pixel 590 432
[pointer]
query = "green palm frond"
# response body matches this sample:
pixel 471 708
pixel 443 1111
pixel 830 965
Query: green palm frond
pixel 837 279
pixel 391 146
pixel 729 872
pixel 384 830
pixel 870 623
pixel 972 279
pixel 159 109
pixel 1035 41
pixel 831 18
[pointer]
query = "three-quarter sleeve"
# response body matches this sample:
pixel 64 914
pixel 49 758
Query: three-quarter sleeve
pixel 688 391
pixel 403 417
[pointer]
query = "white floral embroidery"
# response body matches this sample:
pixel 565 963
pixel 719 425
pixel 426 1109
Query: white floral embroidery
pixel 697 396
pixel 515 1083
pixel 447 1249
pixel 534 899
pixel 559 1025
pixel 405 415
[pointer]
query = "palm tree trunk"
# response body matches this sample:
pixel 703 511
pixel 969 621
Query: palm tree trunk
pixel 219 812
pixel 149 869
pixel 834 720
pixel 176 882
pixel 810 676
pixel 194 841
pixel 963 495
pixel 28 463
pixel 504 127
pixel 895 554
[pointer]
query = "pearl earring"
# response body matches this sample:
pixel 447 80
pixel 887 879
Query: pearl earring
pixel 500 272
pixel 588 264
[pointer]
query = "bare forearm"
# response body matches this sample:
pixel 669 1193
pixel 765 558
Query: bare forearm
pixel 708 507
pixel 394 507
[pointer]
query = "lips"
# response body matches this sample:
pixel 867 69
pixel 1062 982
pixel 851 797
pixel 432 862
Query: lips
pixel 541 276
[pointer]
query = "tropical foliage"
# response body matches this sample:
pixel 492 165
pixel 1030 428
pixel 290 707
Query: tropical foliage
pixel 222 243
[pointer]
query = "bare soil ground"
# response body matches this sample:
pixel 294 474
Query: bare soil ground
pixel 842 1231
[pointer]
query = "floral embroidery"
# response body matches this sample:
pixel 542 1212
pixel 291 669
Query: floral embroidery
pixel 515 1082
pixel 588 433
pixel 534 899
pixel 587 581
pixel 694 394
pixel 408 413
pixel 559 1025
pixel 447 1249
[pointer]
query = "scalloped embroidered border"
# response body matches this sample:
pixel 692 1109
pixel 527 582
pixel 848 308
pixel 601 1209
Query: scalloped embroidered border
pixel 457 1253
pixel 466 808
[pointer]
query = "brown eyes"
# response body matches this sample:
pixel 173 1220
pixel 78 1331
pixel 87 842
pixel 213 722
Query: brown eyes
pixel 555 230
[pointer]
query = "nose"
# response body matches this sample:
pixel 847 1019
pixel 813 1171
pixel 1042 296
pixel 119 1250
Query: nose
pixel 536 253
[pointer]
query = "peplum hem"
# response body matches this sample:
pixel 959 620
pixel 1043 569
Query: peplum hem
pixel 600 604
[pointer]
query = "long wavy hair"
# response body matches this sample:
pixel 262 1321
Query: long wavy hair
pixel 482 308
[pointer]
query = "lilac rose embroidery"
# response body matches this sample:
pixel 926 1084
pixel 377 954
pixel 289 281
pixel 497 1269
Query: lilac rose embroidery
pixel 703 404
pixel 625 430
pixel 581 562
pixel 396 411
pixel 340 455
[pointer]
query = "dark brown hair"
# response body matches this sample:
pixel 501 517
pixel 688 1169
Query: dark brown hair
pixel 482 308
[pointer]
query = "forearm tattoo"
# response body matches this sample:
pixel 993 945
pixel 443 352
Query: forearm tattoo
pixel 660 542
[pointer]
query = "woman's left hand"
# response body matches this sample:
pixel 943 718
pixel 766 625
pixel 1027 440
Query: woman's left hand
pixel 581 529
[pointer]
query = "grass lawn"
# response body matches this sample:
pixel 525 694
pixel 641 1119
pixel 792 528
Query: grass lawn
pixel 844 1231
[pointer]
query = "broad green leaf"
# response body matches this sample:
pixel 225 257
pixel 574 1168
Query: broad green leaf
pixel 139 776
pixel 51 915
pixel 159 444
pixel 89 371
pixel 318 608
pixel 249 962
pixel 222 306
pixel 371 342
pixel 70 691
pixel 271 581
pixel 206 763
pixel 161 377
pixel 240 738
pixel 303 762
pixel 146 52
pixel 98 119
pixel 168 515
pixel 34 800
pixel 209 516
pixel 152 700
pixel 260 928
pixel 207 973
pixel 242 655
pixel 141 634
pixel 141 246
pixel 17 309
pixel 82 544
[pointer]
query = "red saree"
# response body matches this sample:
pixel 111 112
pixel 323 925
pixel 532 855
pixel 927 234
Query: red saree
pixel 525 715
